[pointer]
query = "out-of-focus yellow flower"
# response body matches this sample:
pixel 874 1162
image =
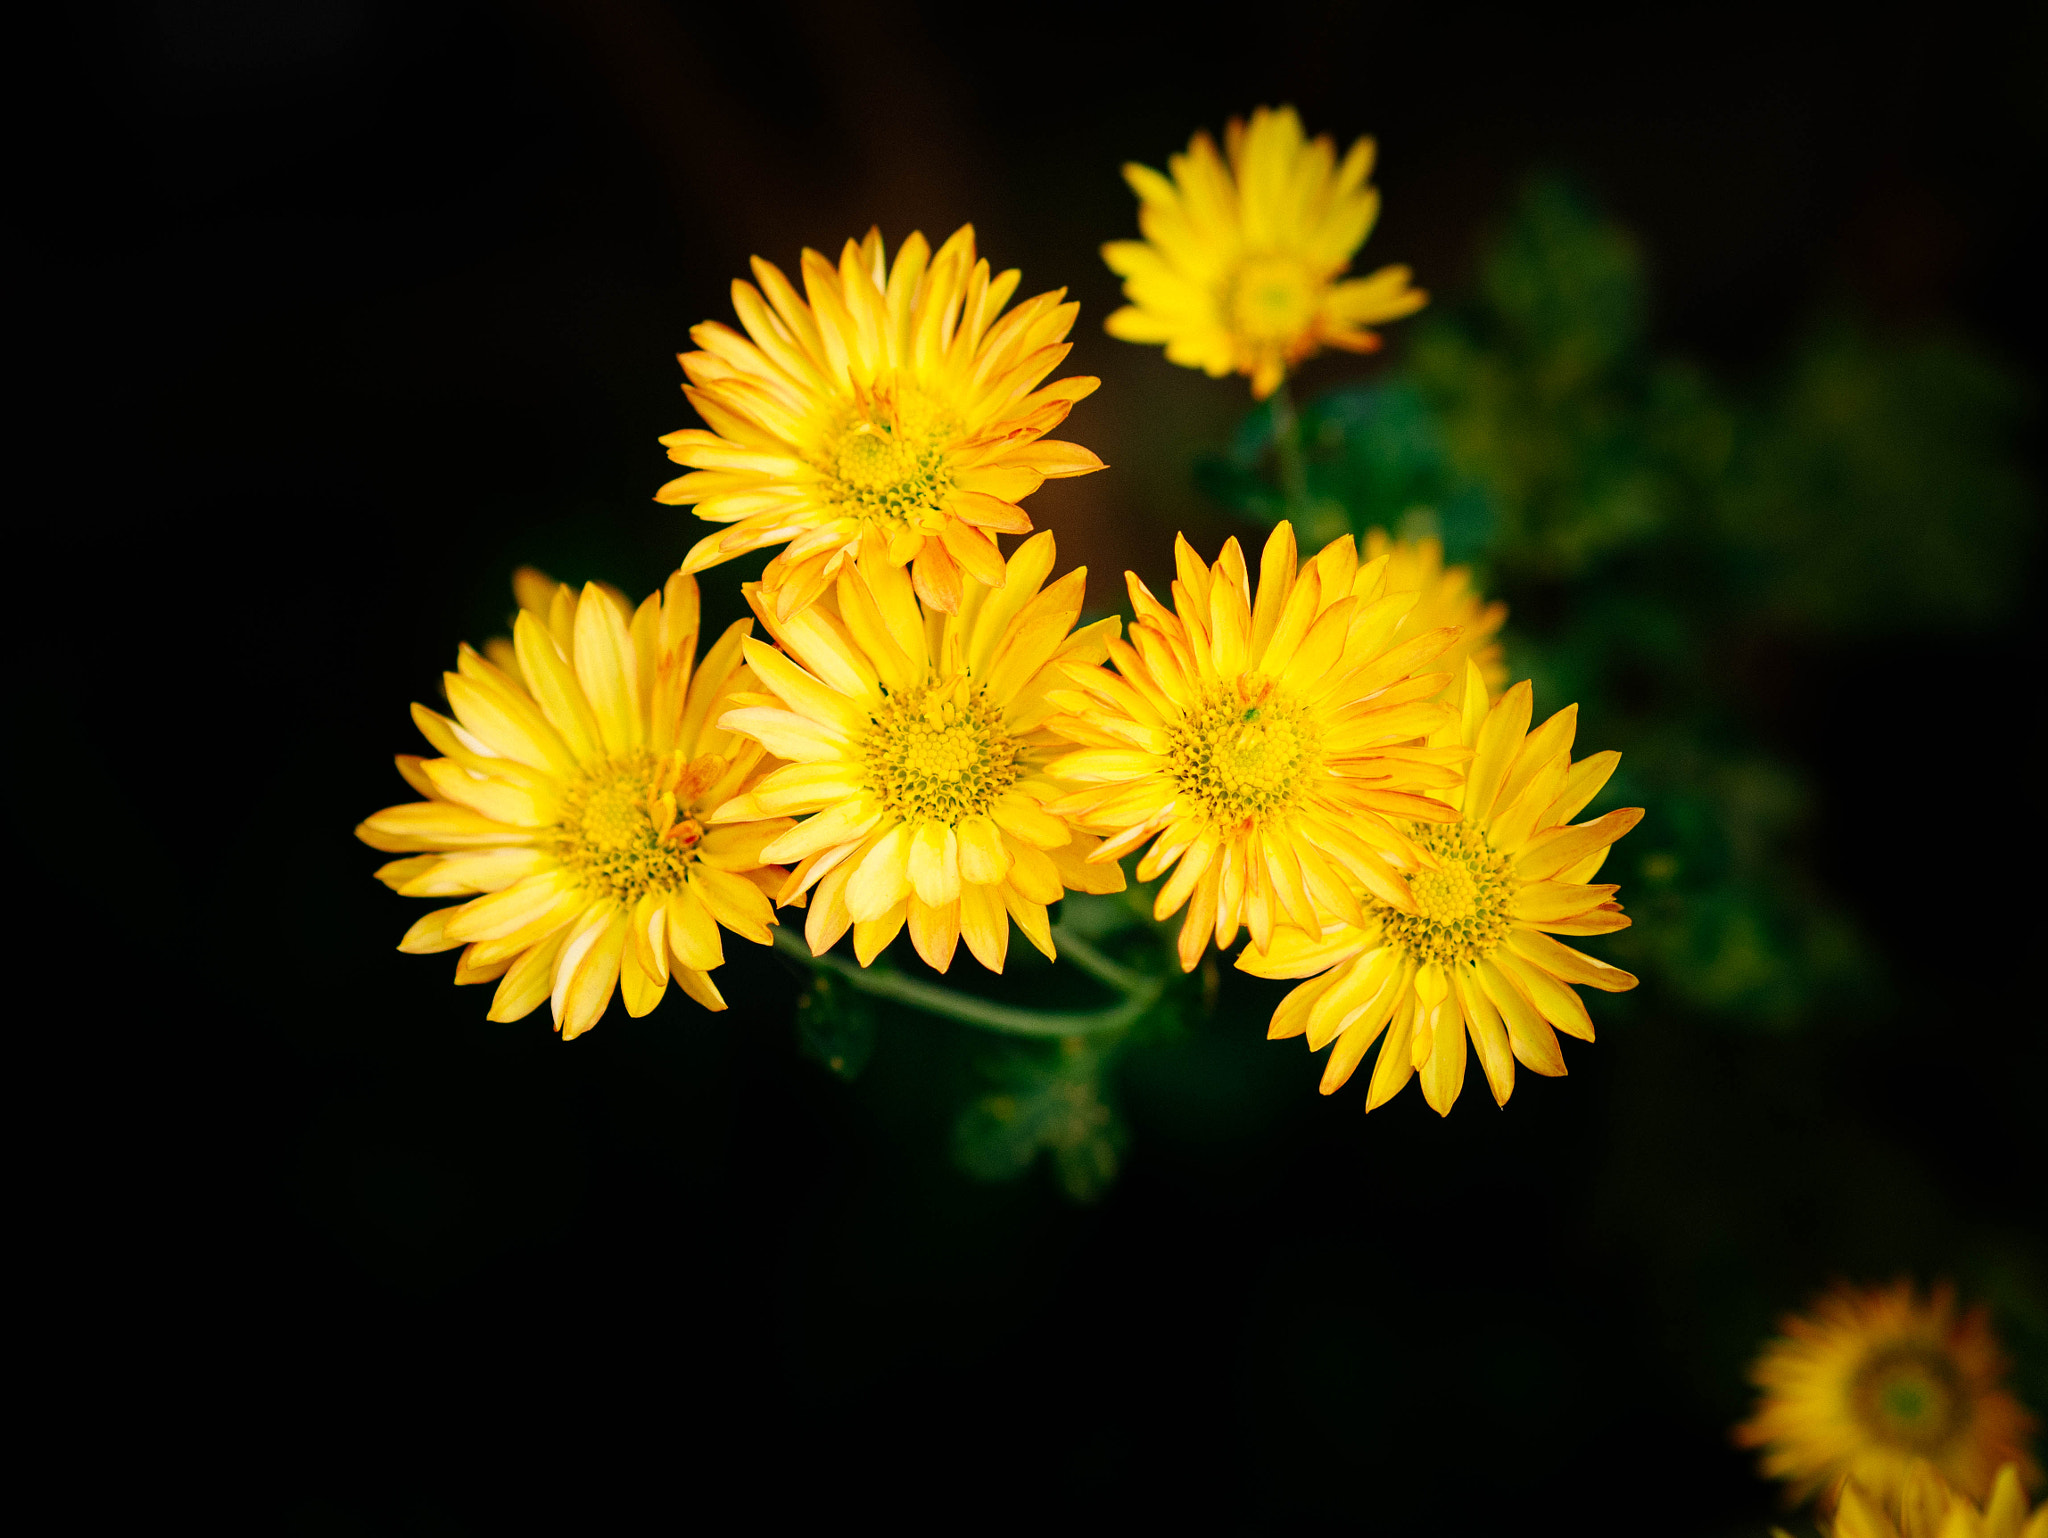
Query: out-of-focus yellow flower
pixel 573 790
pixel 899 399
pixel 1444 596
pixel 1241 268
pixel 1470 950
pixel 917 745
pixel 1270 741
pixel 1871 1379
pixel 1927 1507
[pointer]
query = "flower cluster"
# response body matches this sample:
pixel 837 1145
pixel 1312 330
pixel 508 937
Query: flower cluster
pixel 1317 754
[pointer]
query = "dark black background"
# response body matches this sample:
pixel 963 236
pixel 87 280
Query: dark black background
pixel 365 304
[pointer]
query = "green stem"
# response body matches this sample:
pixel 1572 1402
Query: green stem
pixel 1287 448
pixel 1098 966
pixel 885 982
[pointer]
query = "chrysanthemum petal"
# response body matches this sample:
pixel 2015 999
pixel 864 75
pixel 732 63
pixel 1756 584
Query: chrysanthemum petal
pixel 1489 1033
pixel 838 824
pixel 529 980
pixel 1563 962
pixel 588 970
pixel 1552 999
pixel 1551 854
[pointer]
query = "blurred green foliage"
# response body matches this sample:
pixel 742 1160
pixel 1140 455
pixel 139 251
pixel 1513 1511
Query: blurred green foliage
pixel 1047 1099
pixel 835 1025
pixel 1876 489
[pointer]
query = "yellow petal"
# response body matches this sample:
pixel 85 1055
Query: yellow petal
pixel 641 989
pixel 840 824
pixel 1443 1074
pixel 935 931
pixel 429 934
pixel 1514 820
pixel 437 825
pixel 1276 582
pixel 1031 918
pixel 1581 785
pixel 607 668
pixel 693 932
pixel 735 902
pixel 535 804
pixel 1556 1002
pixel 806 695
pixel 1563 962
pixel 1025 820
pixel 529 981
pixel 737 847
pixel 1541 901
pixel 1395 1065
pixel 935 864
pixel 873 936
pixel 500 913
pixel 985 924
pixel 788 735
pixel 1290 1018
pixel 1556 852
pixel 1365 996
pixel 1080 872
pixel 1500 737
pixel 481 870
pixel 699 987
pixel 1529 1035
pixel 882 879
pixel 505 718
pixel 553 682
pixel 588 968
pixel 983 859
pixel 647 937
pixel 1032 873
pixel 1489 1034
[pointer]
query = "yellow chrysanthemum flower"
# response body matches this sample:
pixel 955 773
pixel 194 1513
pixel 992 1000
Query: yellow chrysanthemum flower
pixel 1871 1379
pixel 1267 741
pixel 896 400
pixel 917 745
pixel 1470 951
pixel 1928 1508
pixel 573 790
pixel 1444 596
pixel 1240 265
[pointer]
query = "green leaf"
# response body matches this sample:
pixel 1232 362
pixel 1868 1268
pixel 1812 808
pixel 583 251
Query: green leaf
pixel 1052 1102
pixel 836 1025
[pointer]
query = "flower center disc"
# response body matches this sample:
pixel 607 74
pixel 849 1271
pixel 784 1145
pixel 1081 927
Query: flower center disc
pixel 1245 759
pixel 939 753
pixel 888 461
pixel 1273 298
pixel 1463 905
pixel 1909 1397
pixel 611 833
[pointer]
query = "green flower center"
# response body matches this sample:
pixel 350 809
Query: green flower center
pixel 1462 906
pixel 1273 299
pixel 1245 753
pixel 939 752
pixel 1910 1396
pixel 891 463
pixel 617 831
